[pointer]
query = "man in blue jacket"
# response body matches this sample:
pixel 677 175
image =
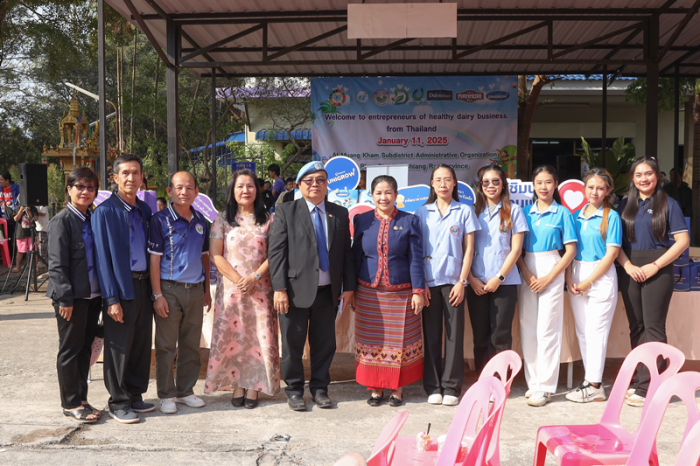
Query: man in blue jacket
pixel 120 229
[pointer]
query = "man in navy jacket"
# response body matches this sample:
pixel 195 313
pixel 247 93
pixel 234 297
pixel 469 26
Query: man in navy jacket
pixel 120 229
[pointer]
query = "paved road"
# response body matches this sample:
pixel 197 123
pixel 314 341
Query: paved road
pixel 33 431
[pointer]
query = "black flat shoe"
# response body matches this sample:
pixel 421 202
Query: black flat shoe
pixel 296 403
pixel 395 402
pixel 238 402
pixel 250 403
pixel 321 399
pixel 375 401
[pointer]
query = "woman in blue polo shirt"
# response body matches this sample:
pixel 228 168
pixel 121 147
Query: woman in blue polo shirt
pixel 493 293
pixel 541 296
pixel 448 244
pixel 592 281
pixel 647 255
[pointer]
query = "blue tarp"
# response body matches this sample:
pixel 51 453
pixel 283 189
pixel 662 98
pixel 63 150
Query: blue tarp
pixel 299 135
pixel 235 137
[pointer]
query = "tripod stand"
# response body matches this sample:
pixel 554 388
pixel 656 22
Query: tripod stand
pixel 30 264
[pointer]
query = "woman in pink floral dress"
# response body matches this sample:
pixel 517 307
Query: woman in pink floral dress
pixel 244 352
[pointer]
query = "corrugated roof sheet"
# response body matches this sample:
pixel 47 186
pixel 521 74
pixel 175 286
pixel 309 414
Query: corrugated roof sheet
pixel 470 33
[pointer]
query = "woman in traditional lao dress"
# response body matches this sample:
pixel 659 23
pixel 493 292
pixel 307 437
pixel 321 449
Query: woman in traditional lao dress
pixel 389 259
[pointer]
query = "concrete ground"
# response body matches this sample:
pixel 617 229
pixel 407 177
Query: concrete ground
pixel 34 432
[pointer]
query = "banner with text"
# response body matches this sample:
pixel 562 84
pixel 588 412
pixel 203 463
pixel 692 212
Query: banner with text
pixel 465 122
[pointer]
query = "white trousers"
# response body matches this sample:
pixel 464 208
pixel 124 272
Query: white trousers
pixel 593 314
pixel 541 321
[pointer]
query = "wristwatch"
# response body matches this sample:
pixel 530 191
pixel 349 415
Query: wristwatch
pixel 154 297
pixel 257 275
pixel 463 281
pixel 501 277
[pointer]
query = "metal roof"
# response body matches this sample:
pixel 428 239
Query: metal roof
pixel 309 38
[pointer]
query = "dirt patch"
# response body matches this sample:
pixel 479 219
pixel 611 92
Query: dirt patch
pixel 39 434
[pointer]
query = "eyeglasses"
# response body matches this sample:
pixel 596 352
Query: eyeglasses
pixel 312 181
pixel 82 187
pixel 487 183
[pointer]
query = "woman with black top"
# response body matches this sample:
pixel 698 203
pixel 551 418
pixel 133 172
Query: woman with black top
pixel 649 217
pixel 75 292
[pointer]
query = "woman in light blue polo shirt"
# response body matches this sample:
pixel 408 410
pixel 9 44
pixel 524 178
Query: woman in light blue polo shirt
pixel 592 281
pixel 448 245
pixel 492 292
pixel 541 295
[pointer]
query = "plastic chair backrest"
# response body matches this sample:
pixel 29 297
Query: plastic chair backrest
pixel 3 222
pixel 646 354
pixel 474 403
pixel 500 364
pixel 690 448
pixel 684 386
pixel 381 452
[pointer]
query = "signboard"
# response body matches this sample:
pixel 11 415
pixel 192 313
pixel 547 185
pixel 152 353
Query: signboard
pixel 343 173
pixel 572 195
pixel 466 193
pixel 462 121
pixel 204 205
pixel 237 165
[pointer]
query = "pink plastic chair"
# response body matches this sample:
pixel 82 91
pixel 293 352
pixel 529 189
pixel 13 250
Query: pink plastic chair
pixel 690 448
pixel 475 403
pixel 609 442
pixel 5 248
pixel 500 364
pixel 478 396
pixel 384 448
pixel 683 386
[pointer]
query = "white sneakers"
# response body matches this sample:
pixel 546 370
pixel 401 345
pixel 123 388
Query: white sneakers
pixel 449 400
pixel 585 393
pixel 539 398
pixel 193 401
pixel 167 406
pixel 635 400
pixel 630 392
pixel 529 393
pixel 435 399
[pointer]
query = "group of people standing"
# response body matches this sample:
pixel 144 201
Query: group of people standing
pixel 407 277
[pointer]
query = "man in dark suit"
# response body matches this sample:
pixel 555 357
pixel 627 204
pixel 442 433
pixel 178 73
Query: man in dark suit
pixel 311 262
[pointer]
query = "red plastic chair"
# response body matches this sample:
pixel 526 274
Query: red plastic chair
pixel 683 386
pixel 475 403
pixel 384 448
pixel 500 364
pixel 5 248
pixel 609 442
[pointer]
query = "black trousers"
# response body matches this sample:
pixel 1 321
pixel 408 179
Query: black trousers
pixel 75 337
pixel 437 378
pixel 491 316
pixel 127 352
pixel 318 321
pixel 646 305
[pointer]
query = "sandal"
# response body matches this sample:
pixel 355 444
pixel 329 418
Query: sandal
pixel 95 411
pixel 393 401
pixel 81 415
pixel 375 401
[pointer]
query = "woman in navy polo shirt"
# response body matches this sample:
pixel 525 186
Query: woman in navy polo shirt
pixel 648 218
pixel 448 243
pixel 493 280
pixel 389 298
pixel 541 296
pixel 592 281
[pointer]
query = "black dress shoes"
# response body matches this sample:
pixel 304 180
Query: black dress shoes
pixel 296 403
pixel 321 399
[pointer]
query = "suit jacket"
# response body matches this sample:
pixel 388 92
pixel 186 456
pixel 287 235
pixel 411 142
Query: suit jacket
pixel 293 253
pixel 68 268
pixel 110 229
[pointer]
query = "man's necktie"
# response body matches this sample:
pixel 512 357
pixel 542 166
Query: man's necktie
pixel 321 240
